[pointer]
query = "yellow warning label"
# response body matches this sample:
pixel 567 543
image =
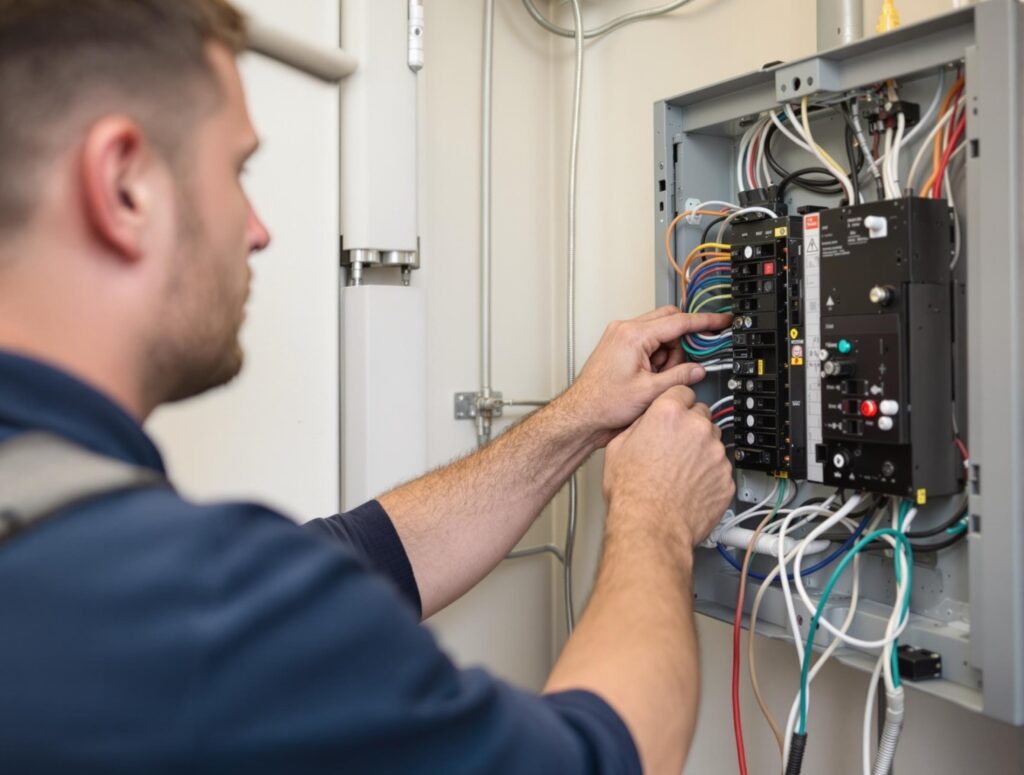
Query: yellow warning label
pixel 782 231
pixel 794 334
pixel 760 368
pixel 782 475
pixel 922 496
pixel 796 362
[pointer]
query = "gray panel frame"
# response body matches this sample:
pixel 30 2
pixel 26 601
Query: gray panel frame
pixel 695 137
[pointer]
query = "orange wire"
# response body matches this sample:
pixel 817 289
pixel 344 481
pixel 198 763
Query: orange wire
pixel 672 230
pixel 951 95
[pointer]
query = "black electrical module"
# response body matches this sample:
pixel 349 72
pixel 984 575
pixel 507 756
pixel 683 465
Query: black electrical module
pixel 918 664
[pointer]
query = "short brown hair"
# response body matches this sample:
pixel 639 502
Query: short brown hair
pixel 81 58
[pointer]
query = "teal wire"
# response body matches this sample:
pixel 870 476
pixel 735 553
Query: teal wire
pixel 860 545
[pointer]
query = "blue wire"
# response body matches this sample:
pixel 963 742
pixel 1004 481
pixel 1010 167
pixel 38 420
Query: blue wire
pixel 805 571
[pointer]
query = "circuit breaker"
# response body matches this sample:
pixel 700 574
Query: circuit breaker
pixel 768 358
pixel 886 357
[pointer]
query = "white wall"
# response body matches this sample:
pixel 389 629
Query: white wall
pixel 273 434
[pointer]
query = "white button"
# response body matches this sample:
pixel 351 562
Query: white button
pixel 877 226
pixel 889 408
pixel 748 252
pixel 751 438
pixel 750 403
pixel 885 423
pixel 750 421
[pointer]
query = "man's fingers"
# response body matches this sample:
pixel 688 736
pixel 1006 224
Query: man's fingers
pixel 660 312
pixel 703 409
pixel 683 374
pixel 667 328
pixel 680 393
pixel 717 431
pixel 675 356
pixel 659 359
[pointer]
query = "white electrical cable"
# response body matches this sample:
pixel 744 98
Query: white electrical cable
pixel 892 160
pixel 869 707
pixel 926 144
pixel 761 166
pixel 604 29
pixel 831 649
pixel 746 141
pixel 743 211
pixel 933 108
pixel 811 607
pixel 787 594
pixel 886 171
pixel 804 129
pixel 570 531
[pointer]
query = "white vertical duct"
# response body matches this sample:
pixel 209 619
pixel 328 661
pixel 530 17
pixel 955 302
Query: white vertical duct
pixel 384 390
pixel 383 327
pixel 378 129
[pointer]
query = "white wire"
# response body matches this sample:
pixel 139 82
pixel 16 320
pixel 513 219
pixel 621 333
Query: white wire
pixel 761 165
pixel 926 144
pixel 812 608
pixel 863 140
pixel 805 132
pixel 787 593
pixel 886 172
pixel 604 29
pixel 570 532
pixel 827 654
pixel 957 234
pixel 722 402
pixel 894 158
pixel 933 108
pixel 869 707
pixel 744 211
pixel 741 157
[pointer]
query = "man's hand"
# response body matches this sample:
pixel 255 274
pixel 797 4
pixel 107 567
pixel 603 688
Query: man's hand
pixel 667 482
pixel 634 363
pixel 668 473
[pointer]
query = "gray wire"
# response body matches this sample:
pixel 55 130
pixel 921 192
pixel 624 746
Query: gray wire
pixel 533 551
pixel 570 528
pixel 485 209
pixel 604 29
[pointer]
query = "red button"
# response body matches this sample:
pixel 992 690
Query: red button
pixel 768 268
pixel 868 409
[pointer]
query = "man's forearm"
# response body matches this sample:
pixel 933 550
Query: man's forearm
pixel 636 647
pixel 457 523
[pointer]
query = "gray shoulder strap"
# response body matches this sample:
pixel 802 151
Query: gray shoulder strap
pixel 41 474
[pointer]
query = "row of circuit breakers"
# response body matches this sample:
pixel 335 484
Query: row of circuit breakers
pixel 843 348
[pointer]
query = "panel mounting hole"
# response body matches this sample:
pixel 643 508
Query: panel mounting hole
pixel 796 84
pixel 810 80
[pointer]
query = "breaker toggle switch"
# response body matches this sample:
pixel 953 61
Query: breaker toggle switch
pixel 868 409
pixel 889 408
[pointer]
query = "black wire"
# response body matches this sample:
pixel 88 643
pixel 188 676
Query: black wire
pixel 798 179
pixel 851 154
pixel 928 532
pixel 939 545
pixel 709 227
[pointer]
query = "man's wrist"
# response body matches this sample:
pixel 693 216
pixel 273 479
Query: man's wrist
pixel 578 419
pixel 642 523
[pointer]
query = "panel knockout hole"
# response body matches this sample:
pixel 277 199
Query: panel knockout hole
pixel 810 81
pixel 796 84
pixel 784 87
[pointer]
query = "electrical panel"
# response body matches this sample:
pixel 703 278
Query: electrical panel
pixel 877 330
pixel 886 356
pixel 768 378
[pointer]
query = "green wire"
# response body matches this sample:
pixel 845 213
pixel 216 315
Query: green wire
pixel 698 307
pixel 860 545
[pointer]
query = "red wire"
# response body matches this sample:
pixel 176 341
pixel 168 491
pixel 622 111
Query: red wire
pixel 961 127
pixel 962 447
pixel 722 413
pixel 737 720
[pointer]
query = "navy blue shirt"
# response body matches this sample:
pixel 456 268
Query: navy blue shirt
pixel 143 633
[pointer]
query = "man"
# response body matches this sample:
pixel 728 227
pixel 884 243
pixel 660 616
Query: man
pixel 143 633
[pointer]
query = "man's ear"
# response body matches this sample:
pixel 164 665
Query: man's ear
pixel 116 184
